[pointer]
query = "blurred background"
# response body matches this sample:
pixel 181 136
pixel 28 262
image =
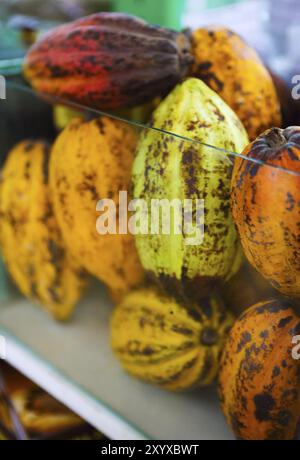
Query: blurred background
pixel 272 26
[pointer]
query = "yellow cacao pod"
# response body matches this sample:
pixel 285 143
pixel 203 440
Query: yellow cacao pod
pixel 92 161
pixel 62 115
pixel 234 70
pixel 31 241
pixel 165 343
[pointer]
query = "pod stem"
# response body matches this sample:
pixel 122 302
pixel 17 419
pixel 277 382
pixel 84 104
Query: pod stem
pixel 275 138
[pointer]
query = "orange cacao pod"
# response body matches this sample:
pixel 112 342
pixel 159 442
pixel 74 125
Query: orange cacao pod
pixel 259 379
pixel 266 206
pixel 233 69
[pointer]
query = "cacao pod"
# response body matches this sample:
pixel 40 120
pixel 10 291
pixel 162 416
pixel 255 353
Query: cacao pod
pixel 92 161
pixel 140 114
pixel 170 168
pixel 62 115
pixel 40 414
pixel 259 380
pixel 234 70
pixel 31 241
pixel 266 206
pixel 170 345
pixel 108 60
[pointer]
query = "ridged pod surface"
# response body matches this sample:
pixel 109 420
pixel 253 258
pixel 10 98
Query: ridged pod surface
pixel 92 161
pixel 31 242
pixel 172 168
pixel 266 207
pixel 234 70
pixel 108 60
pixel 170 345
pixel 259 380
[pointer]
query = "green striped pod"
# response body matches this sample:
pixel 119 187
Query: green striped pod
pixel 171 168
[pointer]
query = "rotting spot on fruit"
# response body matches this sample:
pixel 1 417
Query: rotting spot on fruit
pixel 264 404
pixel 246 338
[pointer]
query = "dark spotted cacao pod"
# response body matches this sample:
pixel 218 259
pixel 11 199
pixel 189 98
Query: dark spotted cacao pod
pixel 108 60
pixel 259 378
pixel 175 346
pixel 225 62
pixel 266 206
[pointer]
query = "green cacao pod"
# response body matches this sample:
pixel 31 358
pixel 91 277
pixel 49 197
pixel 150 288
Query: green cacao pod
pixel 169 168
pixel 168 344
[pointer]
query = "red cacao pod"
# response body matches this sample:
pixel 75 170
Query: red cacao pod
pixel 266 206
pixel 108 60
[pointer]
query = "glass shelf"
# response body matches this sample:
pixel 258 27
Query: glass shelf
pixel 74 361
pixel 28 102
pixel 75 364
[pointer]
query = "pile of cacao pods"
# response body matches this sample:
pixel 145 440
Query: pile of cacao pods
pixel 175 323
